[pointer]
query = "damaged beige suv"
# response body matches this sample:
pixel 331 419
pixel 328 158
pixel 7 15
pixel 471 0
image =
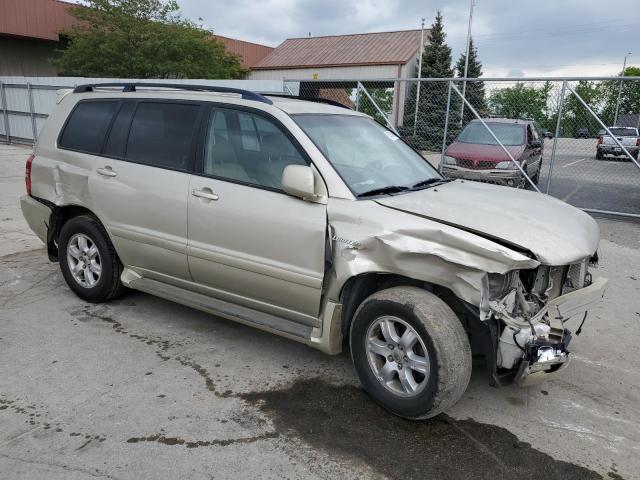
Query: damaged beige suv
pixel 313 222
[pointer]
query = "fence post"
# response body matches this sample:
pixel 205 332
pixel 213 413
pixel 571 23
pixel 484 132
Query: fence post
pixel 358 97
pixel 32 112
pixel 446 128
pixel 5 114
pixel 552 160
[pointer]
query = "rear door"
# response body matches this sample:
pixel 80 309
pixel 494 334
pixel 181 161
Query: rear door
pixel 249 242
pixel 141 182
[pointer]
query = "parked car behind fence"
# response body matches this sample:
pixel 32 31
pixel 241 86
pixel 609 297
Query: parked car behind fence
pixel 627 136
pixel 475 155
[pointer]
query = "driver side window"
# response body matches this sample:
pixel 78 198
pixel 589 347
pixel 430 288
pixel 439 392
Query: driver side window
pixel 248 148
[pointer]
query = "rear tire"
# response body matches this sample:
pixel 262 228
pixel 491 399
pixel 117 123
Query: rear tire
pixel 599 156
pixel 88 261
pixel 420 379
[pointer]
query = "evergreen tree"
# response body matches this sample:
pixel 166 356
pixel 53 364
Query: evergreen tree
pixel 428 131
pixel 475 90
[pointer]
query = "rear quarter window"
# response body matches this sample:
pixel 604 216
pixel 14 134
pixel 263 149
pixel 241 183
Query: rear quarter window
pixel 87 125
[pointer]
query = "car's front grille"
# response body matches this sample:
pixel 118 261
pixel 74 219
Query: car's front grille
pixel 475 165
pixel 461 162
pixel 485 165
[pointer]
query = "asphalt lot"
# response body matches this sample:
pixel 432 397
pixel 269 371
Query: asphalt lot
pixel 611 184
pixel 143 388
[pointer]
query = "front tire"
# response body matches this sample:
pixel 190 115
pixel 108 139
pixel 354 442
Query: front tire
pixel 88 261
pixel 410 352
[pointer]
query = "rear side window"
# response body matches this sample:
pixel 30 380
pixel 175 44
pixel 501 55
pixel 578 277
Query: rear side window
pixel 119 131
pixel 87 125
pixel 161 134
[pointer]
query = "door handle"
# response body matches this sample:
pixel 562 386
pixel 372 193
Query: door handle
pixel 204 193
pixel 106 171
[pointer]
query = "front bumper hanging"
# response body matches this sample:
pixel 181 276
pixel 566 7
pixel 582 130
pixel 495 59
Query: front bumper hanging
pixel 543 360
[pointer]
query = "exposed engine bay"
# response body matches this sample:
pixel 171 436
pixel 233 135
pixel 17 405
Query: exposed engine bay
pixel 530 308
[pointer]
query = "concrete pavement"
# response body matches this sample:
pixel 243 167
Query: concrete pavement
pixel 143 388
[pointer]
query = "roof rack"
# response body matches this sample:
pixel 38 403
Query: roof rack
pixel 131 87
pixel 317 100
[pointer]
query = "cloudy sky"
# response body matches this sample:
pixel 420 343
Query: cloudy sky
pixel 514 37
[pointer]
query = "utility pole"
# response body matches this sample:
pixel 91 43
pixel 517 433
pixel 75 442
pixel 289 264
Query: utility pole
pixel 415 115
pixel 624 66
pixel 466 60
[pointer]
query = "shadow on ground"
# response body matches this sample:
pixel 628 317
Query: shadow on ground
pixel 343 421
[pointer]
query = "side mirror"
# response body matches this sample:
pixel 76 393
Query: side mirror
pixel 297 180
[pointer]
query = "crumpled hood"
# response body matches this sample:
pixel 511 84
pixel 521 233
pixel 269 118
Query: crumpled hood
pixel 555 232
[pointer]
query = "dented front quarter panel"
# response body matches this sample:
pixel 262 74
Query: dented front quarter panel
pixel 368 237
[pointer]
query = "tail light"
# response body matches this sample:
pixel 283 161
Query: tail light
pixel 638 142
pixel 27 174
pixel 600 140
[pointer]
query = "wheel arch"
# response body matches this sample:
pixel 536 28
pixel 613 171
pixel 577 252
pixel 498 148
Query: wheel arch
pixel 357 288
pixel 61 214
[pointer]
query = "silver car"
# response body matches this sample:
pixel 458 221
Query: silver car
pixel 313 222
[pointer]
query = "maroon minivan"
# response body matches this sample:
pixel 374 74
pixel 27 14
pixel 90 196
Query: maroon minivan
pixel 475 155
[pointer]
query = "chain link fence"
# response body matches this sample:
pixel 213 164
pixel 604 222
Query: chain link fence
pixel 555 136
pixel 25 102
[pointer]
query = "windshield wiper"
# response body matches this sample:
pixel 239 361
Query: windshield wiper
pixel 430 182
pixel 383 191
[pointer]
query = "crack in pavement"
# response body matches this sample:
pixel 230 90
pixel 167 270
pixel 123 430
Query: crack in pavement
pixel 202 443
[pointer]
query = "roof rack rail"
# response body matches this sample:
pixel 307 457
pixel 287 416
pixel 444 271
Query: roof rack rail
pixel 131 87
pixel 317 100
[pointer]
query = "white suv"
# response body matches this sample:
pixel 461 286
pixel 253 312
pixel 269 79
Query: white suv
pixel 314 222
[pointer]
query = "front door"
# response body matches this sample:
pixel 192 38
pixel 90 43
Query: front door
pixel 251 243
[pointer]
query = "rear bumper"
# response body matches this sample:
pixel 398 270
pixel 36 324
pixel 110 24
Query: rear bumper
pixel 545 360
pixel 615 150
pixel 37 216
pixel 501 177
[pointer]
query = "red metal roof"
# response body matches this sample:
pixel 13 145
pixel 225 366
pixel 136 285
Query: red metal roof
pixel 34 18
pixel 250 53
pixel 384 48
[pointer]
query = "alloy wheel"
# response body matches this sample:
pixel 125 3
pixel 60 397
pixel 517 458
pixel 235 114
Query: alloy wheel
pixel 397 355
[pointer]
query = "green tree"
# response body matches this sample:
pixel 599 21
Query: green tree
pixel 629 97
pixel 522 101
pixel 383 97
pixel 142 39
pixel 575 115
pixel 432 103
pixel 475 90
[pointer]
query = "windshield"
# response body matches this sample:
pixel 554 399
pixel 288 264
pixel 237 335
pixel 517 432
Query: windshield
pixel 507 133
pixel 367 156
pixel 623 132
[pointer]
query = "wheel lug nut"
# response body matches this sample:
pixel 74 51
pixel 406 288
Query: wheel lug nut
pixel 405 358
pixel 400 366
pixel 390 346
pixel 390 358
